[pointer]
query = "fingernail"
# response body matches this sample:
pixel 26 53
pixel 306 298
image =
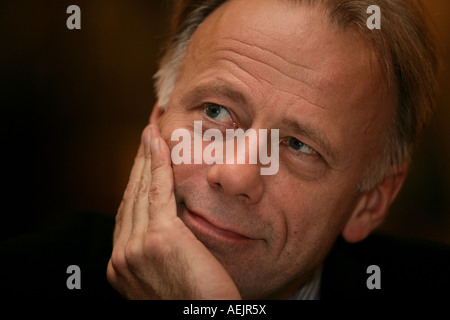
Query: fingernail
pixel 154 147
pixel 146 138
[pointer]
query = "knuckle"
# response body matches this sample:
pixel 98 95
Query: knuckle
pixel 129 191
pixel 118 262
pixel 155 191
pixel 111 274
pixel 151 243
pixel 160 194
pixel 133 253
pixel 156 246
pixel 143 187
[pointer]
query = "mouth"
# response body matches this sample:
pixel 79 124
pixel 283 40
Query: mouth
pixel 203 227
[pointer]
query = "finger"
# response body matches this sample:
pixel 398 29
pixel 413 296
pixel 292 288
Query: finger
pixel 124 214
pixel 124 223
pixel 117 265
pixel 140 209
pixel 161 195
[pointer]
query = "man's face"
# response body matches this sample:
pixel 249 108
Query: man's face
pixel 262 64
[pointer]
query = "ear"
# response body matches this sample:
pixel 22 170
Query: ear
pixel 156 114
pixel 373 206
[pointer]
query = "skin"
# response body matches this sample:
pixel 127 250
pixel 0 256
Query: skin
pixel 224 231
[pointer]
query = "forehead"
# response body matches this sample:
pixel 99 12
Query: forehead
pixel 295 45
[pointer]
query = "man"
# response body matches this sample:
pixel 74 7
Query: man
pixel 346 104
pixel 349 104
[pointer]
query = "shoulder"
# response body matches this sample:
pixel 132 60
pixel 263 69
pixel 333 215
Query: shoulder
pixel 403 268
pixel 36 265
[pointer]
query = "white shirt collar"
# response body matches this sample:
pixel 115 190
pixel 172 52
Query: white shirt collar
pixel 311 289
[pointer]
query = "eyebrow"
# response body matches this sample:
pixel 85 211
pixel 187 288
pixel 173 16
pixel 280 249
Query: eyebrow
pixel 223 89
pixel 216 88
pixel 314 134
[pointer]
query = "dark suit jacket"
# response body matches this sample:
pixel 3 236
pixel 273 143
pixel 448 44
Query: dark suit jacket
pixel 36 265
pixel 409 269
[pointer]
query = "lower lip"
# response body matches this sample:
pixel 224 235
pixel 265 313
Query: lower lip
pixel 200 225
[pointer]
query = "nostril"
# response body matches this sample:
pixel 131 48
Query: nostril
pixel 217 186
pixel 237 180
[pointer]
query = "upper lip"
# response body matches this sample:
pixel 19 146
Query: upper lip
pixel 216 224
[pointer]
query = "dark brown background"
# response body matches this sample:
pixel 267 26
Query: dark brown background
pixel 74 102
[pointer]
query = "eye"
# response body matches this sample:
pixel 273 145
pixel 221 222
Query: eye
pixel 217 112
pixel 300 146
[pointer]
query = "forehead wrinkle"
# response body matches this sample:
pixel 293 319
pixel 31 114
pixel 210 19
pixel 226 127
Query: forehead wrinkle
pixel 277 69
pixel 267 81
pixel 254 45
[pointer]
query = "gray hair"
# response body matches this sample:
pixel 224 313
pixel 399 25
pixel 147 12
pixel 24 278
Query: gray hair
pixel 187 17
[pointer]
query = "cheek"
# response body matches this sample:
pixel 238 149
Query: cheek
pixel 314 214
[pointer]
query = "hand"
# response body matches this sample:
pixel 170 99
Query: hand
pixel 155 256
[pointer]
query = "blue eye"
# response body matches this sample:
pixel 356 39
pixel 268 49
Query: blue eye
pixel 217 112
pixel 300 146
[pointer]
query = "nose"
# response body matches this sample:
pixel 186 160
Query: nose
pixel 242 181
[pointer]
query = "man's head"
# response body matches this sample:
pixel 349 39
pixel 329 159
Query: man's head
pixel 346 123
